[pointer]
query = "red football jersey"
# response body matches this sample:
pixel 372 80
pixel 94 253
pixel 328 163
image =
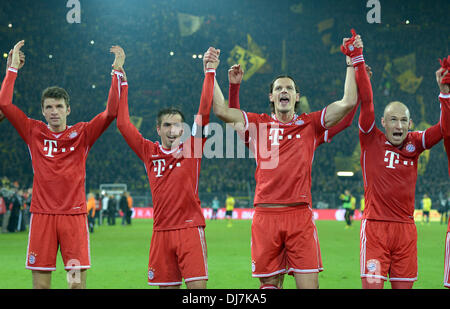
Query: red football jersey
pixel 284 154
pixel 173 174
pixel 58 159
pixel 389 172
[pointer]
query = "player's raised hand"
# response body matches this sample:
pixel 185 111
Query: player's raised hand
pixel 353 46
pixel 9 60
pixel 119 59
pixel 15 58
pixel 369 71
pixel 211 58
pixel 441 74
pixel 235 74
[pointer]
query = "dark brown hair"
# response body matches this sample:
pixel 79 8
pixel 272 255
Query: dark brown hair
pixel 168 111
pixel 55 92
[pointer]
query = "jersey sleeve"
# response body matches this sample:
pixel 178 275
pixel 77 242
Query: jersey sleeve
pixel 200 126
pixel 100 123
pixel 141 146
pixel 318 119
pixel 233 96
pixel 365 94
pixel 444 99
pixel 18 119
pixel 432 136
pixel 341 126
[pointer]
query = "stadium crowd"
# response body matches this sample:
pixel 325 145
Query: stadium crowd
pixel 75 56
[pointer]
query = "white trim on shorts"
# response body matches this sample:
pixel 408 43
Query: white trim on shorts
pixel 447 261
pixel 282 271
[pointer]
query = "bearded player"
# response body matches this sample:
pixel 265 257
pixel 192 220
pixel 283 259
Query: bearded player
pixel 58 152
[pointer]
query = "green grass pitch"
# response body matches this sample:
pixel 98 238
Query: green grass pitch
pixel 119 257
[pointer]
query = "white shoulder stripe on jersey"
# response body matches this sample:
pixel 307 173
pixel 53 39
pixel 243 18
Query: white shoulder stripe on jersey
pixel 444 95
pixel 245 120
pixel 368 131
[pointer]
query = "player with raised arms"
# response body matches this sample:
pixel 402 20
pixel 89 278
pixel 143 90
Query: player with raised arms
pixel 178 244
pixel 58 153
pixel 443 80
pixel 284 236
pixel 388 237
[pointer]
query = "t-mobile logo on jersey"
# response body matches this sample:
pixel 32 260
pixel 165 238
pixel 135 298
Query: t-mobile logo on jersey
pixel 394 158
pixel 160 166
pixel 52 146
pixel 275 135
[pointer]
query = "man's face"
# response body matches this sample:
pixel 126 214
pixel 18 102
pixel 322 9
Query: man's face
pixel 396 122
pixel 284 95
pixel 170 130
pixel 55 112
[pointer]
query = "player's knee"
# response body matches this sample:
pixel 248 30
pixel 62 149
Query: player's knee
pixel 269 282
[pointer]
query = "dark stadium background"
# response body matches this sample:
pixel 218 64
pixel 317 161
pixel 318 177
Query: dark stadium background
pixel 299 38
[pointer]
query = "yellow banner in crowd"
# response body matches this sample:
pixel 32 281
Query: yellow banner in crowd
pixel 249 61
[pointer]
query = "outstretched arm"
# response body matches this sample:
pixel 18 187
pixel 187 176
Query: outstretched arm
pixel 18 119
pixel 101 122
pixel 129 132
pixel 235 75
pixel 232 113
pixel 443 81
pixel 336 111
pixel 353 48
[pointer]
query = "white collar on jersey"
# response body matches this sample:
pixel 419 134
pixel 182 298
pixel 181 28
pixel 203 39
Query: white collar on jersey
pixel 294 118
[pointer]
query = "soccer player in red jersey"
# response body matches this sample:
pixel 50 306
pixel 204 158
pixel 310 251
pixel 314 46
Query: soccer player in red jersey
pixel 443 80
pixel 283 228
pixel 388 238
pixel 58 154
pixel 235 75
pixel 178 244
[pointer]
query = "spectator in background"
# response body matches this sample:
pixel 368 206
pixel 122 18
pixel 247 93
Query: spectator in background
pixel 130 207
pixel 123 206
pixel 347 205
pixel 112 210
pixel 426 206
pixel 229 207
pixel 215 208
pixel 98 210
pixel 104 212
pixel 91 212
pixel 2 210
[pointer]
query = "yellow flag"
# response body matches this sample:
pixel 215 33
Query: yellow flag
pixel 297 8
pixel 404 63
pixel 136 121
pixel 189 24
pixel 249 61
pixel 325 25
pixel 304 105
pixel 409 82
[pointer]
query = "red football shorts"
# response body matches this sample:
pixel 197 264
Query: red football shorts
pixel 388 249
pixel 49 232
pixel 284 240
pixel 447 259
pixel 177 254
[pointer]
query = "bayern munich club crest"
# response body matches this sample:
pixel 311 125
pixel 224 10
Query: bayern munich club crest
pixel 32 258
pixel 410 148
pixel 73 134
pixel 151 274
pixel 350 47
